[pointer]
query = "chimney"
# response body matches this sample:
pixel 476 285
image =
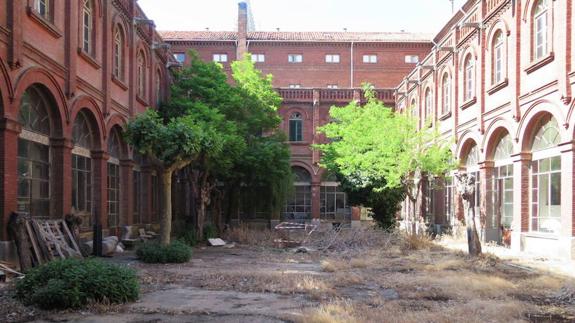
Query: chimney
pixel 242 46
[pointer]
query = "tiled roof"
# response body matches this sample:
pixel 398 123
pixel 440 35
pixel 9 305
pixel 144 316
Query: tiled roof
pixel 297 36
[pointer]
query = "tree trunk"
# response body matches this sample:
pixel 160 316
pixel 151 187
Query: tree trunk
pixel 472 236
pixel 166 224
pixel 217 209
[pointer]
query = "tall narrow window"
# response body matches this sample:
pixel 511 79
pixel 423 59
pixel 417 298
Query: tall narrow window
pixel 118 53
pixel 503 183
pixel 87 26
pixel 446 97
pixel 497 59
pixel 114 180
pixel 158 88
pixel 428 103
pixel 298 206
pixel 546 178
pixel 541 27
pixel 82 170
pixel 469 78
pixel 34 155
pixel 295 127
pixel 42 7
pixel 141 77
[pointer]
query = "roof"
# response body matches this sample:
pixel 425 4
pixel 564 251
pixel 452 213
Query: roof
pixel 298 36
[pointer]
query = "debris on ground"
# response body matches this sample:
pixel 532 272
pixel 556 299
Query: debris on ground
pixel 217 242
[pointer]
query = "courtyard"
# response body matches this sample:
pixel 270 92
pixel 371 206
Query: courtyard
pixel 364 275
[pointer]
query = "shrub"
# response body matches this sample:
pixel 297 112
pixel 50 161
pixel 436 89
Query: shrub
pixel 210 232
pixel 72 283
pixel 175 252
pixel 188 237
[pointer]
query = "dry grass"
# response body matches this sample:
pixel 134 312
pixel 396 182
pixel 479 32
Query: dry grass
pixel 245 235
pixel 337 312
pixel 411 242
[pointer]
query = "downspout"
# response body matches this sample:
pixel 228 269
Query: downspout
pixel 351 65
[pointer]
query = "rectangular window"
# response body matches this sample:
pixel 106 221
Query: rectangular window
pixel 258 58
pixel 449 200
pixel 180 57
pixel 87 31
pixel 546 195
pixel 113 195
pixel 411 59
pixel 503 196
pixel 42 7
pixel 332 58
pixel 295 130
pixel 541 36
pixel 298 206
pixel 333 203
pixel 82 189
pixel 370 59
pixel 33 178
pixel 498 71
pixel 295 58
pixel 332 86
pixel 295 86
pixel 138 197
pixel 220 58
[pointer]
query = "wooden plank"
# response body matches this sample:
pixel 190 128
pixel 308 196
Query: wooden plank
pixel 71 237
pixel 35 247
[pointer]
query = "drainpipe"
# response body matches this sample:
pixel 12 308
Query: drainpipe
pixel 351 65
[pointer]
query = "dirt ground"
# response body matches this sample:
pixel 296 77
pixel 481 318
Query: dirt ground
pixel 363 276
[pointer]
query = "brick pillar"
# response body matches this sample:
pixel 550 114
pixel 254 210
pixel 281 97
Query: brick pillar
pixel 146 209
pixel 242 46
pixel 127 192
pixel 100 186
pixel 488 215
pixel 520 223
pixel 9 130
pixel 315 200
pixel 61 177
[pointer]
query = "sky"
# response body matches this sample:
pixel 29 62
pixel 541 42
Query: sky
pixel 303 15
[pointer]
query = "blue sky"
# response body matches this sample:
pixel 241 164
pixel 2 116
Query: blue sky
pixel 304 15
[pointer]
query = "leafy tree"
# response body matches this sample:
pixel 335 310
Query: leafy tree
pixel 374 147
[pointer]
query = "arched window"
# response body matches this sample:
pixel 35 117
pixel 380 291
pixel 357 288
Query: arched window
pixel 298 206
pixel 503 184
pixel 295 127
pixel 546 178
pixel 428 103
pixel 34 154
pixel 82 169
pixel 472 168
pixel 158 88
pixel 413 107
pixel 119 53
pixel 446 97
pixel 497 68
pixel 141 74
pixel 87 27
pixel 540 29
pixel 469 78
pixel 114 179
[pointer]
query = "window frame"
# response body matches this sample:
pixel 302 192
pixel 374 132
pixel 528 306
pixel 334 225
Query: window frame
pixel 498 64
pixel 88 27
pixel 141 74
pixel 446 94
pixel 220 57
pixel 537 18
pixel 258 58
pixel 295 58
pixel 45 5
pixel 469 78
pixel 332 58
pixel 295 130
pixel 118 53
pixel 370 59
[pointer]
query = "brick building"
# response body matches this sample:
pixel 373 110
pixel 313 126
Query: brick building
pixel 500 81
pixel 71 74
pixel 312 71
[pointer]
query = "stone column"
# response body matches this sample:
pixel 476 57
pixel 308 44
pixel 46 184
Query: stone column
pixel 61 177
pixel 127 192
pixel 100 187
pixel 9 130
pixel 567 233
pixel 521 203
pixel 490 224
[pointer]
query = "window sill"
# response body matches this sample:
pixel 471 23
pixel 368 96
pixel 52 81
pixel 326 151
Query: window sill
pixel 141 100
pixel 469 103
pixel 119 83
pixel 298 143
pixel 540 63
pixel 445 116
pixel 541 235
pixel 48 25
pixel 88 58
pixel 498 86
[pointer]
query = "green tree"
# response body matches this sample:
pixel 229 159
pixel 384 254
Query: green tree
pixel 373 146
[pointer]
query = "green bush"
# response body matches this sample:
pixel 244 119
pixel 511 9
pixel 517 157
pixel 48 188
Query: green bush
pixel 188 237
pixel 72 283
pixel 153 252
pixel 210 232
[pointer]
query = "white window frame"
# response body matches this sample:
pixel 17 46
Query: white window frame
pixel 369 59
pixel 258 58
pixel 498 61
pixel 332 86
pixel 87 26
pixel 177 57
pixel 294 86
pixel 469 79
pixel 220 58
pixel 332 58
pixel 411 59
pixel 540 31
pixel 295 58
pixel 446 91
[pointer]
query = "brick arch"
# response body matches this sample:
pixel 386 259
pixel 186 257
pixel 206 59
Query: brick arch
pixel 534 113
pixel 140 47
pixel 46 81
pixel 499 24
pixel 6 90
pixel 528 9
pixel 495 131
pixel 306 166
pixel 117 122
pixel 466 141
pixel 90 106
pixel 469 50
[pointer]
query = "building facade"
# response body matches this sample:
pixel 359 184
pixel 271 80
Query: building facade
pixel 499 82
pixel 312 72
pixel 71 75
